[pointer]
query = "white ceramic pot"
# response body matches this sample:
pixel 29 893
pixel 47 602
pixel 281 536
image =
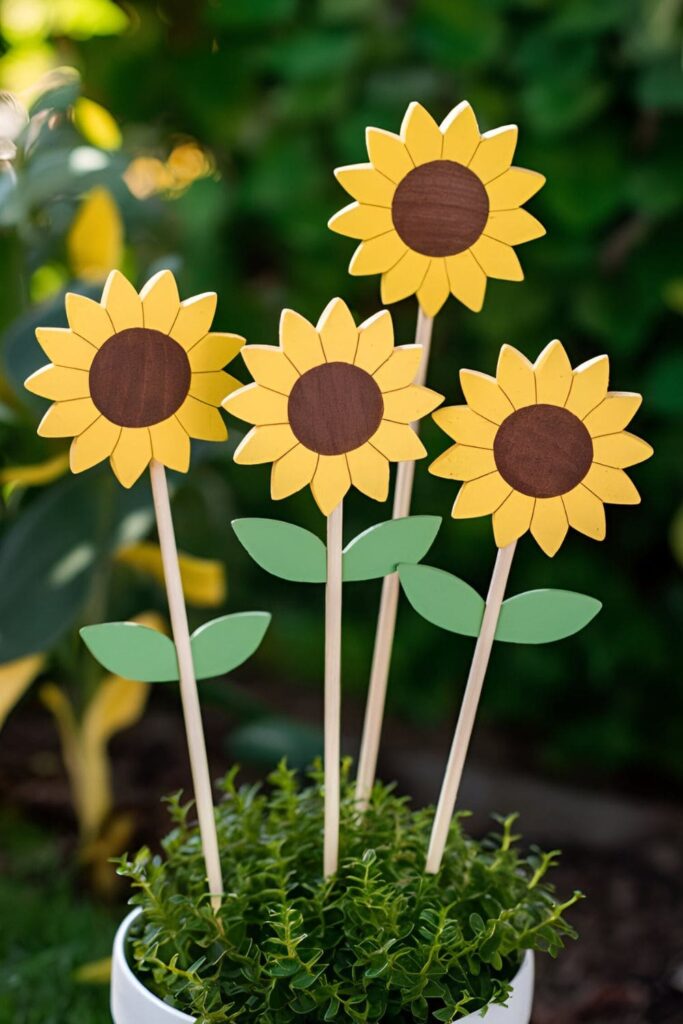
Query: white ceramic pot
pixel 132 1003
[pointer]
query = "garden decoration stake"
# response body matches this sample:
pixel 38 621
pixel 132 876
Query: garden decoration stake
pixel 438 210
pixel 332 407
pixel 132 379
pixel 539 447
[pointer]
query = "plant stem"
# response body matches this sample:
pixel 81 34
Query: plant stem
pixel 468 709
pixel 333 618
pixel 386 621
pixel 201 778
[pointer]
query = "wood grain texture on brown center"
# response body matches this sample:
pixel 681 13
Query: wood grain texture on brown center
pixel 543 450
pixel 440 208
pixel 335 408
pixel 139 377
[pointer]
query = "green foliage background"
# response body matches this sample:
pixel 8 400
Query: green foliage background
pixel 279 93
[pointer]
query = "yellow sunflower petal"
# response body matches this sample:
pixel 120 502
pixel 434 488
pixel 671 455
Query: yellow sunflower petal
pixel 461 134
pixel 512 188
pixel 585 512
pixel 494 153
pixel 338 332
pixel 589 386
pixel 64 348
pixel 132 454
pixel 258 405
pixel 421 135
pixel 160 301
pixel 497 259
pixel 214 352
pixel 171 444
pixel 484 395
pixel 265 444
pixel 462 462
pixel 388 154
pixel 59 383
pixel 366 184
pixel 292 472
pixel 377 255
pixel 620 450
pixel 67 419
pixel 270 367
pixel 93 445
pixel 400 369
pixel 512 519
pixel 211 386
pixel 194 319
pixel 613 414
pixel 122 302
pixel 201 420
pixel 88 319
pixel 405 277
pixel 480 497
pixel 330 482
pixel 398 442
pixel 549 524
pixel 410 403
pixel 360 221
pixel 369 472
pixel 435 288
pixel 553 373
pixel 611 485
pixel 513 226
pixel 466 426
pixel 467 280
pixel 375 341
pixel 515 374
pixel 300 341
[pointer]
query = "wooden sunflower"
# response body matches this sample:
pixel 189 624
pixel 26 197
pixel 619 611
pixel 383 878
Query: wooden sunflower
pixel 332 406
pixel 438 208
pixel 541 447
pixel 134 377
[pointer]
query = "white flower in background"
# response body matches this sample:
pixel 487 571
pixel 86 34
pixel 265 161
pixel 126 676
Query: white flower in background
pixel 13 120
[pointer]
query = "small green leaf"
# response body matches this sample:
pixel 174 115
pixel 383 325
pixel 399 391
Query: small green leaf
pixel 379 550
pixel 220 646
pixel 443 599
pixel 541 616
pixel 133 651
pixel 283 549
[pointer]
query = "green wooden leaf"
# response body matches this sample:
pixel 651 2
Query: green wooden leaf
pixel 133 651
pixel 541 616
pixel 379 550
pixel 443 599
pixel 283 549
pixel 220 646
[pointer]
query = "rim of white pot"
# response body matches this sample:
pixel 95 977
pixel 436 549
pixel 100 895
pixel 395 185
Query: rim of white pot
pixel 132 1003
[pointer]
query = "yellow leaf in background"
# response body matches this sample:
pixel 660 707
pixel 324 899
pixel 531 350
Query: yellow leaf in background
pixel 96 124
pixel 203 579
pixel 37 473
pixel 98 972
pixel 95 239
pixel 113 840
pixel 15 679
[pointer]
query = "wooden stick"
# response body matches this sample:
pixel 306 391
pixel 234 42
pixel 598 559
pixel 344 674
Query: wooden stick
pixel 468 710
pixel 333 619
pixel 386 621
pixel 189 694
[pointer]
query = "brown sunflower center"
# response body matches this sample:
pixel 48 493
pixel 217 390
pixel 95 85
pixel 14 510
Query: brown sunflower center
pixel 440 208
pixel 543 450
pixel 335 408
pixel 139 377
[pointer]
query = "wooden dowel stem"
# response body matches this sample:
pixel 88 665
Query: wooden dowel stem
pixel 468 710
pixel 189 695
pixel 386 621
pixel 333 621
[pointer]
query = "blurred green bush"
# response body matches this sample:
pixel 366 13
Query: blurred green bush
pixel 233 116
